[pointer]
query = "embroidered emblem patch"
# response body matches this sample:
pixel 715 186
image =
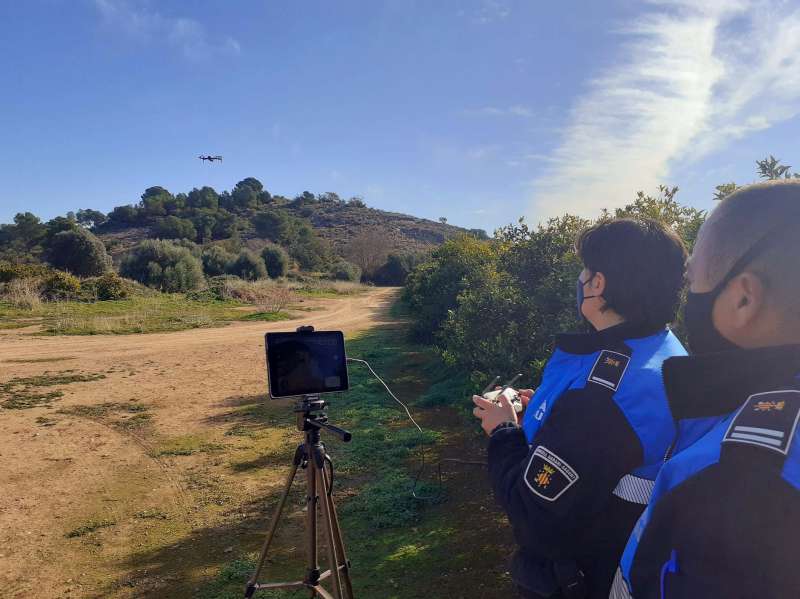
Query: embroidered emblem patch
pixel 767 420
pixel 547 475
pixel 609 369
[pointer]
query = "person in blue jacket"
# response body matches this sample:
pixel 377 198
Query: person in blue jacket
pixel 725 514
pixel 577 473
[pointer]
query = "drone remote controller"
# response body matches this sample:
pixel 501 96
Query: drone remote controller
pixel 510 394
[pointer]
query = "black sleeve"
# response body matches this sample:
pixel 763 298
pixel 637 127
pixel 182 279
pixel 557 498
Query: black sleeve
pixel 567 475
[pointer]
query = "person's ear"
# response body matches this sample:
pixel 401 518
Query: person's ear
pixel 598 284
pixel 748 300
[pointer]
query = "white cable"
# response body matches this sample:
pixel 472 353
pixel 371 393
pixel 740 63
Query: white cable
pixel 394 397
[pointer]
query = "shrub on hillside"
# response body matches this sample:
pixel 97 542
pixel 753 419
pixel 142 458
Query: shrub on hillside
pixel 274 225
pixel 194 249
pixel 10 271
pixel 123 216
pixel 79 252
pixel 267 295
pixel 368 250
pixel 163 265
pixel 60 286
pixel 310 252
pixel 276 260
pixel 397 268
pixel 173 227
pixel 109 286
pixel 248 266
pixel 345 271
pixel 216 260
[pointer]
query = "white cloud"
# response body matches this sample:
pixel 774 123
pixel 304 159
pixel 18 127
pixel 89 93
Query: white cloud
pixel 515 110
pixel 136 19
pixel 696 77
pixel 483 152
pixel 489 11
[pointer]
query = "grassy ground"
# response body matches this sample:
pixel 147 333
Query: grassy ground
pixel 328 289
pixel 452 543
pixel 148 314
pixel 22 393
pixel 156 312
pixel 202 542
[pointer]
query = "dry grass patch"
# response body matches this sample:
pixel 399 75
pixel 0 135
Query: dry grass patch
pixel 23 293
pixel 89 527
pixel 266 295
pixel 21 393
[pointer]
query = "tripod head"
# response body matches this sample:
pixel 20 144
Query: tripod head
pixel 312 416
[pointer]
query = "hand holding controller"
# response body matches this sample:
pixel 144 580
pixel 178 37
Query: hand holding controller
pixel 510 394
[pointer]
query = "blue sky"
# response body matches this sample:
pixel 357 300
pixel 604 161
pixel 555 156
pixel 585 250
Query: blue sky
pixel 477 110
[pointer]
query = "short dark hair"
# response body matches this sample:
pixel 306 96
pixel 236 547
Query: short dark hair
pixel 643 262
pixel 764 218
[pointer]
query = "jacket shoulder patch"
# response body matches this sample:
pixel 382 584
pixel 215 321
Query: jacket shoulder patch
pixel 547 475
pixel 766 420
pixel 609 369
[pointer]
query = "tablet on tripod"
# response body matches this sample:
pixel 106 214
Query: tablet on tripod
pixel 305 362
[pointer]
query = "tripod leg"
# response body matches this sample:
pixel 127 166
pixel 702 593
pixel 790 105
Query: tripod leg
pixel 298 459
pixel 311 527
pixel 327 525
pixel 339 543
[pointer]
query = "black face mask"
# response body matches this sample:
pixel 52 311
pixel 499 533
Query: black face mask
pixel 704 338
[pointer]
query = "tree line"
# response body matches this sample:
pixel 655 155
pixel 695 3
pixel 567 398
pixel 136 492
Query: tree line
pixel 493 307
pixel 200 234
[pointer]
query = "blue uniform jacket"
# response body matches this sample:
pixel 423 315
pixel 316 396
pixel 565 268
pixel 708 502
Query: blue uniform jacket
pixel 578 473
pixel 725 513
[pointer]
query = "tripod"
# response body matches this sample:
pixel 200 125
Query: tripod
pixel 311 456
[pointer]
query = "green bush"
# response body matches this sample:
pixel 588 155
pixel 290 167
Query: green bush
pixel 173 227
pixel 216 261
pixel 248 266
pixel 433 288
pixel 507 317
pixel 397 268
pixel 310 252
pixel 109 286
pixel 10 271
pixel 60 285
pixel 163 265
pixel 216 290
pixel 345 271
pixel 274 225
pixel 79 252
pixel 276 260
pixel 495 306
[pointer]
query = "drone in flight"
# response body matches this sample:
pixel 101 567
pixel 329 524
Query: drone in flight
pixel 210 158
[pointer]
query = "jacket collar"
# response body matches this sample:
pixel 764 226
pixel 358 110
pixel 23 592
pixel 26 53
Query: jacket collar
pixel 707 385
pixel 612 337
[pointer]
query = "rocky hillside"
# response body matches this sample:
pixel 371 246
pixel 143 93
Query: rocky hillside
pixel 339 223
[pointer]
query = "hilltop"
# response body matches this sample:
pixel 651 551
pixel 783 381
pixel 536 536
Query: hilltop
pixel 334 220
pixel 312 233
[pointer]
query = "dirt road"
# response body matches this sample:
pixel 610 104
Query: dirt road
pixel 121 466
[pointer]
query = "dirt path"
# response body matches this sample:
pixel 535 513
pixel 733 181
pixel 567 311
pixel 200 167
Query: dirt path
pixel 86 488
